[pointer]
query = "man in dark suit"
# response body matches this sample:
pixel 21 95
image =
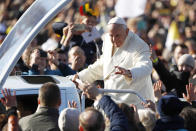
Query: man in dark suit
pixel 46 116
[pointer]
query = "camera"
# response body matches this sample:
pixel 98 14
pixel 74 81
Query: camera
pixel 79 27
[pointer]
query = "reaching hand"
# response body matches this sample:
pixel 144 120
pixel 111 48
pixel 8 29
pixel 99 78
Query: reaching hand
pixel 80 84
pixel 123 71
pixel 68 32
pixel 72 104
pixel 52 57
pixel 90 90
pixel 135 113
pixel 157 89
pixel 74 78
pixel 191 93
pixel 9 100
pixel 93 92
pixel 65 30
pixel 76 63
pixel 149 104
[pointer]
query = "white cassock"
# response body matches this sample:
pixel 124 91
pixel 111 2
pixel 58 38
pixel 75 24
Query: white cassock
pixel 134 54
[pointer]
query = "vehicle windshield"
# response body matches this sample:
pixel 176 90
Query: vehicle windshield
pixel 27 27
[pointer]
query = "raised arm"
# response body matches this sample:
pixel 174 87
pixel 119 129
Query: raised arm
pixel 118 121
pixel 93 72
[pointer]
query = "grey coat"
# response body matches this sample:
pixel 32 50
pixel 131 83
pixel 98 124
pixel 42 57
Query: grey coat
pixel 44 119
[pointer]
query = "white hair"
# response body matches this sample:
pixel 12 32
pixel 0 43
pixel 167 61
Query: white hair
pixel 147 118
pixel 69 119
pixel 119 25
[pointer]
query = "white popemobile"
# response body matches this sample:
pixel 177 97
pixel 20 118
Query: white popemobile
pixel 28 87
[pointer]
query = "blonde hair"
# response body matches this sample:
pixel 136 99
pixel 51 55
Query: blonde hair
pixel 147 118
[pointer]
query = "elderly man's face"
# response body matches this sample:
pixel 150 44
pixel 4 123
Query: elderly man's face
pixel 185 68
pixel 77 58
pixel 179 51
pixel 117 34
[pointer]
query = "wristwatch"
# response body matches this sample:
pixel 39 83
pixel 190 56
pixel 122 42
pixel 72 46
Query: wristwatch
pixel 129 74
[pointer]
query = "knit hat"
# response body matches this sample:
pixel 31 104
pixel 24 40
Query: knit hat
pixel 117 20
pixel 69 119
pixel 170 105
pixel 58 27
pixel 186 59
pixel 89 9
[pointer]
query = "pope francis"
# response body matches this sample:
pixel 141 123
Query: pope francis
pixel 124 64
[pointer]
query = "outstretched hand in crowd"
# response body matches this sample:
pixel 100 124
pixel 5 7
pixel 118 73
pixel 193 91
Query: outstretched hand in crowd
pixel 191 93
pixel 157 93
pixel 52 57
pixel 9 99
pixel 90 90
pixel 150 105
pixel 136 115
pixel 72 104
pixel 157 89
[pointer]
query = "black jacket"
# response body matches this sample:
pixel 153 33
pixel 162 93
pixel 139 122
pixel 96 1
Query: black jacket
pixel 174 123
pixel 174 81
pixel 118 121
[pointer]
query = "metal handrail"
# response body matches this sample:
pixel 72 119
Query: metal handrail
pixel 110 91
pixel 124 91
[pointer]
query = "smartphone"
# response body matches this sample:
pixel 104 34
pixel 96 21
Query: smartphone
pixel 79 27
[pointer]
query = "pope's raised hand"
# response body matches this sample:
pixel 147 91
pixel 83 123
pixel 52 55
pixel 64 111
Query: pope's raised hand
pixel 123 71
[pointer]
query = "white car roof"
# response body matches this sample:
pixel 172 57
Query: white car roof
pixel 18 82
pixel 23 87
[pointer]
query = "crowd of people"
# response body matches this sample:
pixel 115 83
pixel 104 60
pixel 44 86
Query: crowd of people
pixel 74 40
pixel 167 113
